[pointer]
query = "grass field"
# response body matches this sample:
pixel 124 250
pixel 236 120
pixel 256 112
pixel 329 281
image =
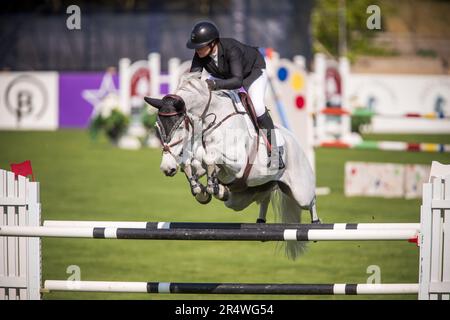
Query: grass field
pixel 85 180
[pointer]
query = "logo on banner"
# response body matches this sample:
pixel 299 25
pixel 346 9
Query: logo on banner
pixel 333 90
pixel 26 97
pixel 140 87
pixel 105 98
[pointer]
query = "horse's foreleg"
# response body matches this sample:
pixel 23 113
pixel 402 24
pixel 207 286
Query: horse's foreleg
pixel 192 179
pixel 197 189
pixel 213 186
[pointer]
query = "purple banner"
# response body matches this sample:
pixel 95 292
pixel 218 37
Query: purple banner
pixel 79 92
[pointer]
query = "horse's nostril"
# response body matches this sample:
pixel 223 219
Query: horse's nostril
pixel 170 172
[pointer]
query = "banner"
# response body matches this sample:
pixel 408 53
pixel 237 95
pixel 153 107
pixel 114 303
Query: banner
pixel 82 93
pixel 29 101
pixel 387 180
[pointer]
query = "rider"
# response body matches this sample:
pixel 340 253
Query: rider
pixel 233 65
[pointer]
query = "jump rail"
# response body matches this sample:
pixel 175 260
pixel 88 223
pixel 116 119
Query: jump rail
pixel 230 288
pixel 20 254
pixel 210 234
pixel 228 225
pixel 387 146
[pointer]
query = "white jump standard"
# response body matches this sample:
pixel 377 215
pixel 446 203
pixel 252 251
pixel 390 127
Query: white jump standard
pixel 20 249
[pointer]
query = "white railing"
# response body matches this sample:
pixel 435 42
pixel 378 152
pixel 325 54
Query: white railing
pixel 20 257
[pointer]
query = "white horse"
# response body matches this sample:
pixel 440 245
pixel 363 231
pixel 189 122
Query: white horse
pixel 206 132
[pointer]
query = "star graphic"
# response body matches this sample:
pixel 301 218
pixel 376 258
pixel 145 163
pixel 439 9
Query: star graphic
pixel 96 96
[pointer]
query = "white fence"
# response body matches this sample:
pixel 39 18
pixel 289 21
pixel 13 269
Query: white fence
pixel 20 255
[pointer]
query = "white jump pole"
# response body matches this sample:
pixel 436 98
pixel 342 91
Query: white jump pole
pixel 209 234
pixel 229 288
pixel 169 225
pixel 95 286
pixel 93 224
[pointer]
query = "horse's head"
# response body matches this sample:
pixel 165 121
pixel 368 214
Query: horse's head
pixel 172 124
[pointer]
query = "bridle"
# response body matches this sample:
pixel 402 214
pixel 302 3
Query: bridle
pixel 165 138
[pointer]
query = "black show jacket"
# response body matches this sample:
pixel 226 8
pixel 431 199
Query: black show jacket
pixel 238 64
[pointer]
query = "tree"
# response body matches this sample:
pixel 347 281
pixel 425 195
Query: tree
pixel 359 38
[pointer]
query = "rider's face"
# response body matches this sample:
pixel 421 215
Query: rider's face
pixel 203 52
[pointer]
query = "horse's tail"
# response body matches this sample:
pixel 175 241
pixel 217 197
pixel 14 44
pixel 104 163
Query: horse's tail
pixel 286 210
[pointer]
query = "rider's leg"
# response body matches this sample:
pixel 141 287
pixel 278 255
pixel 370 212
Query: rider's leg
pixel 256 92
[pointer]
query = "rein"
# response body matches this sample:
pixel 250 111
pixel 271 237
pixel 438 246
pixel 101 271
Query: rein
pixel 213 125
pixel 239 184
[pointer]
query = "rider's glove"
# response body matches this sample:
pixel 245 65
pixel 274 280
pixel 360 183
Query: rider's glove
pixel 211 84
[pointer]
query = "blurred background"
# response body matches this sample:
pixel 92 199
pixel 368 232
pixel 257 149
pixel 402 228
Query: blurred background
pixel 34 37
pixel 364 85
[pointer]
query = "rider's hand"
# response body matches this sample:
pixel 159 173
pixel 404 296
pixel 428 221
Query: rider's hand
pixel 211 84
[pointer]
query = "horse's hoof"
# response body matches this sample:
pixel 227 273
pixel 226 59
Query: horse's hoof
pixel 203 198
pixel 259 220
pixel 318 221
pixel 222 193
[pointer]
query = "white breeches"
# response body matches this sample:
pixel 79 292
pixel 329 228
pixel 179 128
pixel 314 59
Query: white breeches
pixel 257 92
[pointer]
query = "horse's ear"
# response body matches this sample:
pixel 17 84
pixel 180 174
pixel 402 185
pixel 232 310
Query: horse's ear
pixel 179 104
pixel 157 103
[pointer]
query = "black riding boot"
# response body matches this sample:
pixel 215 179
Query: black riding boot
pixel 265 122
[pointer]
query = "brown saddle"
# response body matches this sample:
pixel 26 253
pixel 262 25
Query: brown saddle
pixel 250 109
pixel 248 105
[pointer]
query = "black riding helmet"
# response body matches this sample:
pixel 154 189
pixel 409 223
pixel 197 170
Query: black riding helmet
pixel 202 34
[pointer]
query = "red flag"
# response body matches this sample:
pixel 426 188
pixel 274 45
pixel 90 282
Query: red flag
pixel 22 169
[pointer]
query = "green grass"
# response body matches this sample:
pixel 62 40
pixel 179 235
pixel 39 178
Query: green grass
pixel 85 180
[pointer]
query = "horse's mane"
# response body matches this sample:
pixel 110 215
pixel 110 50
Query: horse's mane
pixel 192 82
pixel 192 89
pixel 195 93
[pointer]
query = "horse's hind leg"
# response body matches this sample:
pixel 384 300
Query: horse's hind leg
pixel 313 211
pixel 311 207
pixel 263 207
